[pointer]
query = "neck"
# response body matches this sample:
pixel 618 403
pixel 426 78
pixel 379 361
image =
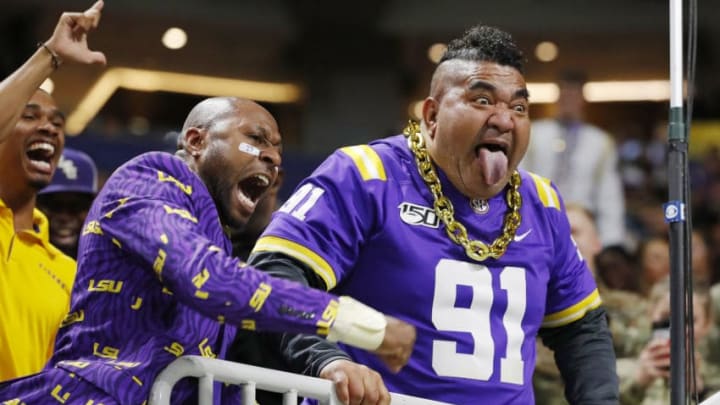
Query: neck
pixel 188 159
pixel 22 203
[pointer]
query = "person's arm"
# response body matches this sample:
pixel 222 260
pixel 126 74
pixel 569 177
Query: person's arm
pixel 306 354
pixel 68 44
pixel 156 214
pixel 584 354
pixel 312 355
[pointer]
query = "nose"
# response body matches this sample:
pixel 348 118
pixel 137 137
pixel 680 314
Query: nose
pixel 271 156
pixel 501 119
pixel 47 127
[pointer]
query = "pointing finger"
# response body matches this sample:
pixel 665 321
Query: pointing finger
pixel 94 13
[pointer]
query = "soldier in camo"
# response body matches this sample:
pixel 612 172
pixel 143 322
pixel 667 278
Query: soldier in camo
pixel 626 310
pixel 644 379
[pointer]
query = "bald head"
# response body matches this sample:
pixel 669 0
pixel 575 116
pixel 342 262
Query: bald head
pixel 227 141
pixel 213 110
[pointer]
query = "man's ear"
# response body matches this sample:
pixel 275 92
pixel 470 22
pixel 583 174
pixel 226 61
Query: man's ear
pixel 429 112
pixel 195 141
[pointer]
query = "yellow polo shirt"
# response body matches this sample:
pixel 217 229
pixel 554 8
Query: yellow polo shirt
pixel 35 284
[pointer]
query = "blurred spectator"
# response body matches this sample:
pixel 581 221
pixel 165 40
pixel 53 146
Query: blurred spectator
pixel 67 199
pixel 656 152
pixel 617 269
pixel 644 379
pixel 645 217
pixel 626 312
pixel 580 159
pixel 654 256
pixel 700 259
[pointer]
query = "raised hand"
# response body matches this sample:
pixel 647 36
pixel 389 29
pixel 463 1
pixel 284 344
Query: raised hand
pixel 653 362
pixel 355 383
pixel 69 40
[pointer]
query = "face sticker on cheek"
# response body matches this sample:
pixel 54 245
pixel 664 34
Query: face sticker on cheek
pixel 249 149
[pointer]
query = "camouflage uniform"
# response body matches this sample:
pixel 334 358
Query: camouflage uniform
pixel 547 382
pixel 630 327
pixel 715 304
pixel 629 321
pixel 659 391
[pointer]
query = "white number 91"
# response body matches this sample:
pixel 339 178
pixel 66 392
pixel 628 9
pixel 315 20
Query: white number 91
pixel 446 361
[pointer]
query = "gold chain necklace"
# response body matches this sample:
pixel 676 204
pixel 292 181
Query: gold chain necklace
pixel 457 232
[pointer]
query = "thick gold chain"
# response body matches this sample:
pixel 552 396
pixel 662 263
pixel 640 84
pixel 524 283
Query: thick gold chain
pixel 444 209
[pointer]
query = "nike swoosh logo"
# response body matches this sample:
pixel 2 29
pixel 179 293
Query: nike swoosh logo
pixel 519 238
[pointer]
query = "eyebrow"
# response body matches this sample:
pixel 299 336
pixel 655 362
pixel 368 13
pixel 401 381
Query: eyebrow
pixel 55 113
pixel 481 84
pixel 266 135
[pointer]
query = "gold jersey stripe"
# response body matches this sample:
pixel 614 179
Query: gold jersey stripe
pixel 299 252
pixel 547 194
pixel 367 161
pixel 573 313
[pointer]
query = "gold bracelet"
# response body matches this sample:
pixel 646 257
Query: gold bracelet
pixel 55 59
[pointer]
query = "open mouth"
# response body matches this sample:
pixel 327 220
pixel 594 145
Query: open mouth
pixel 41 154
pixel 253 187
pixel 492 147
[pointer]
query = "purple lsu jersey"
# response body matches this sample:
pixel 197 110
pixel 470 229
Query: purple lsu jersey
pixel 156 280
pixel 364 222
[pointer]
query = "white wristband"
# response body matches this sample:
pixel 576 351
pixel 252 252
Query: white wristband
pixel 356 324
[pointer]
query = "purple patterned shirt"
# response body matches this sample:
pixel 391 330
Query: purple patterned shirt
pixel 364 222
pixel 156 280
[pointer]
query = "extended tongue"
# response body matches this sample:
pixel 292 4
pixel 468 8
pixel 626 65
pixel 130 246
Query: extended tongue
pixel 493 165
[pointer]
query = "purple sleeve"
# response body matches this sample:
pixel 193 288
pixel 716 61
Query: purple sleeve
pixel 572 291
pixel 167 231
pixel 331 214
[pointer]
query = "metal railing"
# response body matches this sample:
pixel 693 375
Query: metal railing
pixel 712 400
pixel 251 378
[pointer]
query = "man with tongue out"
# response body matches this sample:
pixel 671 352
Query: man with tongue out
pixel 439 228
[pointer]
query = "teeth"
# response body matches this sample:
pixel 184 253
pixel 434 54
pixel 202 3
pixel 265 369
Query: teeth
pixel 245 199
pixel 42 146
pixel 263 179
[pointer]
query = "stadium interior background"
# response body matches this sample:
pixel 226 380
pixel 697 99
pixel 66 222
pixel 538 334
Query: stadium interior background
pixel 359 66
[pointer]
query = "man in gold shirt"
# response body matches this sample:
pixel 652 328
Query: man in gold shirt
pixel 35 277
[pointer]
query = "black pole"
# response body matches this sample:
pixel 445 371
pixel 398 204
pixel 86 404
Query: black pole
pixel 675 214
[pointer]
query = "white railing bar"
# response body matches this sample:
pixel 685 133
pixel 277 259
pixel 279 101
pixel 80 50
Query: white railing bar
pixel 205 390
pixel 252 378
pixel 238 374
pixel 714 399
pixel 290 397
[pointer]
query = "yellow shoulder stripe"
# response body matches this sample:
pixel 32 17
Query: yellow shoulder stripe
pixel 547 194
pixel 573 313
pixel 299 252
pixel 367 161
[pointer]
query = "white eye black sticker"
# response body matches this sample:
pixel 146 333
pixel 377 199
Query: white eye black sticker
pixel 247 148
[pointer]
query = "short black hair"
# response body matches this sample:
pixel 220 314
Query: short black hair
pixel 483 43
